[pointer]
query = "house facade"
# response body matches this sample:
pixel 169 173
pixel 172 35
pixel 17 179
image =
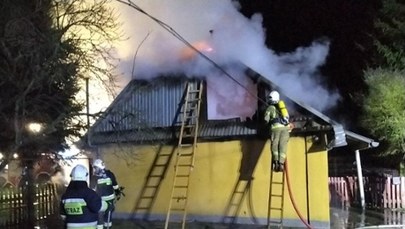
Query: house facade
pixel 230 178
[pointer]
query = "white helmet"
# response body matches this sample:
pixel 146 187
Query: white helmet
pixel 99 164
pixel 274 97
pixel 79 173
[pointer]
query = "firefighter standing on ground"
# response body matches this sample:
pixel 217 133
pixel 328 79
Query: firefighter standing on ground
pixel 80 205
pixel 107 187
pixel 277 116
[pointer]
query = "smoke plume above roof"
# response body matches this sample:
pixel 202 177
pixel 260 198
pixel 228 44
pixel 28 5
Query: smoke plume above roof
pixel 223 34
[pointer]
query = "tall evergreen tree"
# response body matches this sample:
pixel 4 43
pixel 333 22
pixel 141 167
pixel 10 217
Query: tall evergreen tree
pixel 390 37
pixel 384 108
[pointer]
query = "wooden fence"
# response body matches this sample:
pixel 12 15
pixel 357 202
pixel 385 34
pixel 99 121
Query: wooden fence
pixel 14 209
pixel 379 192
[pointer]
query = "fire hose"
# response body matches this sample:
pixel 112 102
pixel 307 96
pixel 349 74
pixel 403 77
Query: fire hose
pixel 292 198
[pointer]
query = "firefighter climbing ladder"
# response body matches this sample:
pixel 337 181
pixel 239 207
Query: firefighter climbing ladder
pixel 185 152
pixel 276 199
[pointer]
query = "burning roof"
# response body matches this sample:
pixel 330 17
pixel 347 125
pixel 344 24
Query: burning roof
pixel 146 111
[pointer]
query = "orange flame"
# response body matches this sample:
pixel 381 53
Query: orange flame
pixel 189 53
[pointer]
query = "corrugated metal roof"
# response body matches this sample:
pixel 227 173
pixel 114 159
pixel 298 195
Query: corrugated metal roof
pixel 144 104
pixel 208 130
pixel 213 129
pixel 147 111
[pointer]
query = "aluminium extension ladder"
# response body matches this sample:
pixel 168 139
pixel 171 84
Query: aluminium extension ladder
pixel 186 148
pixel 276 199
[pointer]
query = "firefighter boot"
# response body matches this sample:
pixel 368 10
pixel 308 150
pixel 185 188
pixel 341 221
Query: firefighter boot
pixel 276 166
pixel 281 167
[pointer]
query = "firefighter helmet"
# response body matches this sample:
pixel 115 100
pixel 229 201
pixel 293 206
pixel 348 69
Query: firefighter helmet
pixel 98 163
pixel 274 97
pixel 79 173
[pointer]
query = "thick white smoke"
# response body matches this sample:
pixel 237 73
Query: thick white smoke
pixel 227 37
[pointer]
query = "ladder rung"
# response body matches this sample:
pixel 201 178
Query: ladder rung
pixel 277 195
pixel 191 115
pixel 188 128
pixel 182 175
pixel 185 165
pixel 278 209
pixel 189 111
pixel 188 117
pixel 156 176
pixel 185 145
pixel 189 108
pixel 181 186
pixel 165 155
pixel 276 222
pixel 276 182
pixel 188 135
pixel 187 120
pixel 188 131
pixel 185 154
pixel 187 138
pixel 151 186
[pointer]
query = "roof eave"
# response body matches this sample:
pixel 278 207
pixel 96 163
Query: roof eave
pixel 362 141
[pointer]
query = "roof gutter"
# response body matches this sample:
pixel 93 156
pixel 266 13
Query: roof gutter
pixel 368 142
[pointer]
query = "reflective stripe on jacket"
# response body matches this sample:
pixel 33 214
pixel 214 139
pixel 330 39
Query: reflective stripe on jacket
pixel 106 184
pixel 90 225
pixel 80 205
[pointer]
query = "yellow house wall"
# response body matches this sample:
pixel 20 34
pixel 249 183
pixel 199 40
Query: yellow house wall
pixel 218 167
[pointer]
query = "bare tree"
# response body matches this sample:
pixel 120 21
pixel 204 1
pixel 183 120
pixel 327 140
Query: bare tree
pixel 47 49
pixel 92 28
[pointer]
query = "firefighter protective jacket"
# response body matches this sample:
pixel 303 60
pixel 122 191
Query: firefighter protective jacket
pixel 80 205
pixel 277 115
pixel 106 185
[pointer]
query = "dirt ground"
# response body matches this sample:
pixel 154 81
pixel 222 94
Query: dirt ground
pixel 340 218
pixel 189 225
pixel 139 224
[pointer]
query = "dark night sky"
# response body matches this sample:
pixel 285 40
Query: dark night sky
pixel 347 23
